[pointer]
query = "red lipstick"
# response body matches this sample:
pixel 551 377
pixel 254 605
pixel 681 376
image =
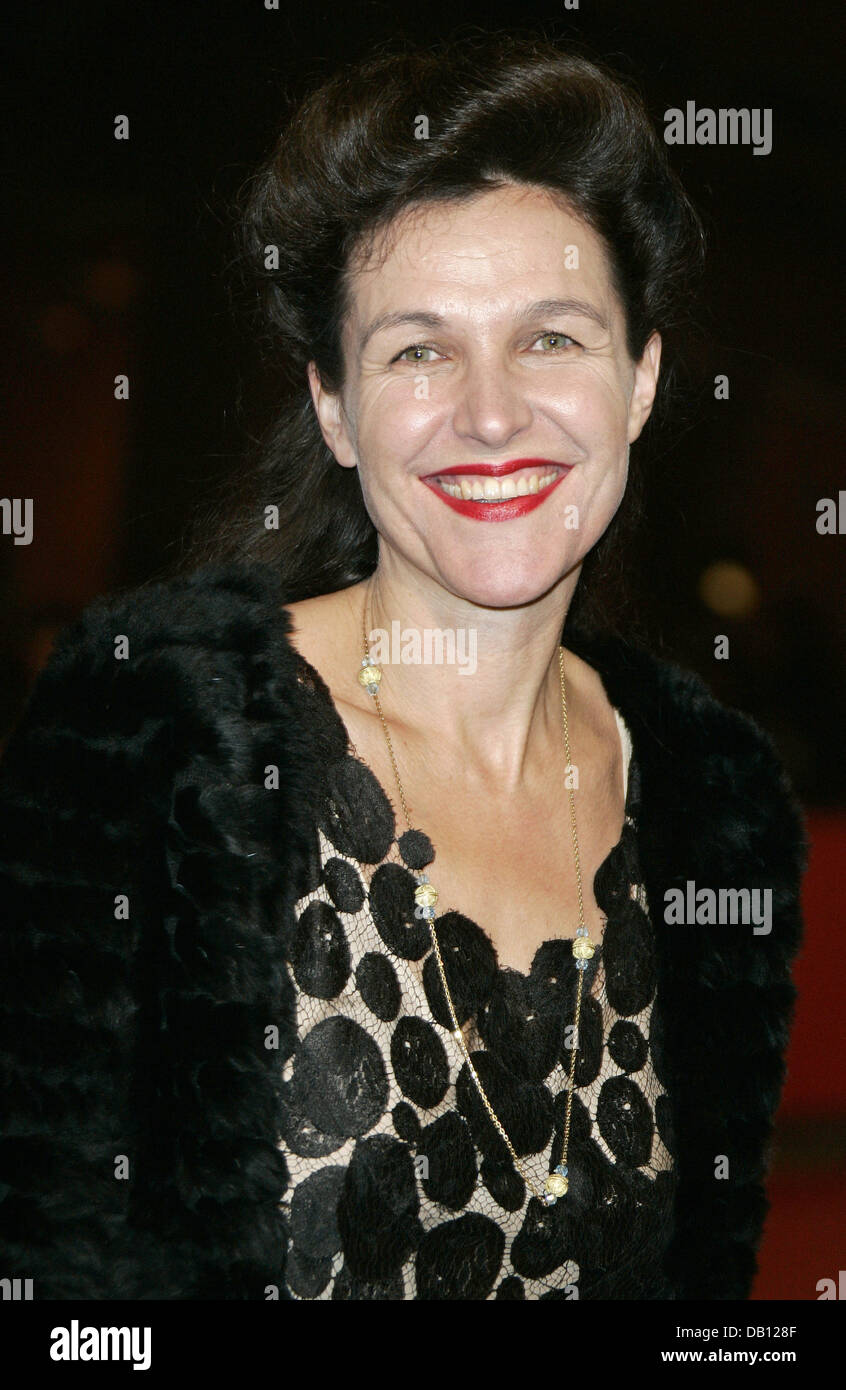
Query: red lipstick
pixel 507 509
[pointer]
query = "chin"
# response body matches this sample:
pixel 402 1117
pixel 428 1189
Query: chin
pixel 500 588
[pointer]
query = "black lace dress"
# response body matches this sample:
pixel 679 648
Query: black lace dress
pixel 400 1185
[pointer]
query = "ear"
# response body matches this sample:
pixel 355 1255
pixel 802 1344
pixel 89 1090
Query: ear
pixel 644 388
pixel 334 426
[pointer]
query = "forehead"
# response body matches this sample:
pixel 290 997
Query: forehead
pixel 503 246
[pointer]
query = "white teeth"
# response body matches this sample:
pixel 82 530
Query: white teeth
pixel 496 489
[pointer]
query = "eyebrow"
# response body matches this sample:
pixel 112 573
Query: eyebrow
pixel 541 308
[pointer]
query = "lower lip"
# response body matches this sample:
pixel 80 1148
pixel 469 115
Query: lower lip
pixel 497 511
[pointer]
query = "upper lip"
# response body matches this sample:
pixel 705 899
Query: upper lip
pixel 496 470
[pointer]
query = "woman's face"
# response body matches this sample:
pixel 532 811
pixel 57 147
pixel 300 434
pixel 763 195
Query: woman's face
pixel 488 334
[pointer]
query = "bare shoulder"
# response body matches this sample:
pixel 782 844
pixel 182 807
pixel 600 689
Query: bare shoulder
pixel 599 736
pixel 324 631
pixel 589 692
pixel 320 625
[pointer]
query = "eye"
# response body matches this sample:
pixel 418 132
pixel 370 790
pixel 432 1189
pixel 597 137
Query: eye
pixel 559 340
pixel 416 348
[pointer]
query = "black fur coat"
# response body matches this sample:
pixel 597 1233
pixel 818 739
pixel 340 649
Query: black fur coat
pixel 147 883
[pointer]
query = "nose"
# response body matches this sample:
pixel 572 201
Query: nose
pixel 490 407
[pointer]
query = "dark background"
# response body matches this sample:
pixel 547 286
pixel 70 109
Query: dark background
pixel 115 260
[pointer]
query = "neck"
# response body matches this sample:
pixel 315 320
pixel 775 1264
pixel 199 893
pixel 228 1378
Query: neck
pixel 494 709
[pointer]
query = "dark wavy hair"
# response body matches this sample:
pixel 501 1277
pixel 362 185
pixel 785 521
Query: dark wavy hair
pixel 500 109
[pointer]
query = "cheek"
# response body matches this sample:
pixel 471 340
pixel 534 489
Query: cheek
pixel 399 414
pixel 597 489
pixel 591 405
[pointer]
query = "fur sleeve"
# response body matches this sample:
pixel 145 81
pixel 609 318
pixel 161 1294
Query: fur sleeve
pixel 735 1001
pixel 142 967
pixel 82 796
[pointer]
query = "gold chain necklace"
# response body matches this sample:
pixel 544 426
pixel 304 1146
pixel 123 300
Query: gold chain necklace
pixel 426 895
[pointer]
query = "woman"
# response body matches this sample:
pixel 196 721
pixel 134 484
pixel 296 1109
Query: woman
pixel 331 972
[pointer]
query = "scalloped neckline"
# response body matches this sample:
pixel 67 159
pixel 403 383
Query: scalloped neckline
pixel 320 687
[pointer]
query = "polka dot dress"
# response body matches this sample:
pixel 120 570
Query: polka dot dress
pixel 400 1185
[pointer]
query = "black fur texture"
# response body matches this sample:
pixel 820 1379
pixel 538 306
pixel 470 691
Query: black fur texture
pixel 143 1035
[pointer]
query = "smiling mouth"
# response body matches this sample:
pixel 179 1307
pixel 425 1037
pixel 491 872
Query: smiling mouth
pixel 526 482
